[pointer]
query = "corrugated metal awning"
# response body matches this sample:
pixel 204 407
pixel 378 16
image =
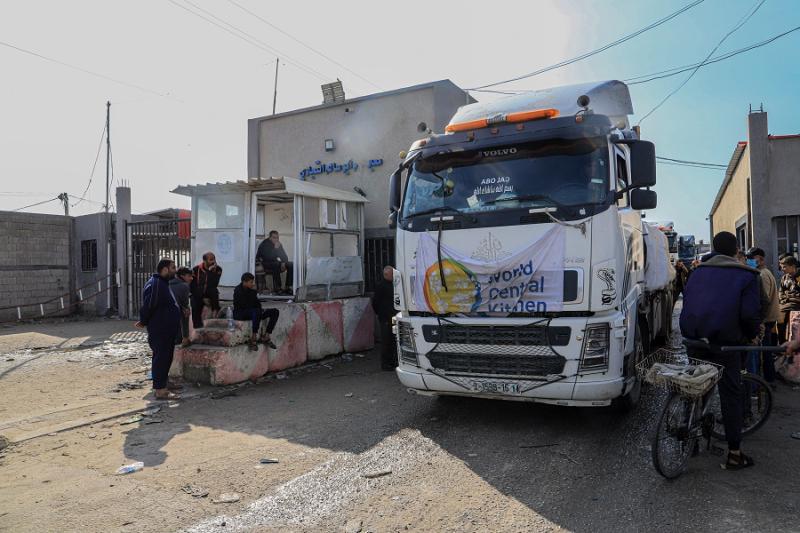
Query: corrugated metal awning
pixel 272 186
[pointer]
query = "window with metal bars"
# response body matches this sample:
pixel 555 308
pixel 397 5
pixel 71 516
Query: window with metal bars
pixel 89 255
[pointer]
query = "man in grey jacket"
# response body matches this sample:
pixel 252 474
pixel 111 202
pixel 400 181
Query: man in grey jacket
pixel 771 312
pixel 179 285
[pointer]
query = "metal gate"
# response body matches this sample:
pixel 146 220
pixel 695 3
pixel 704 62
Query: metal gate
pixel 378 254
pixel 148 243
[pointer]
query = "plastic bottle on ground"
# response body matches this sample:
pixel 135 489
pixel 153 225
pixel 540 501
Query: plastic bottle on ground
pixel 130 469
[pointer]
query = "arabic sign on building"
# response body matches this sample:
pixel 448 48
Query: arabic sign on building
pixel 319 167
pixel 530 280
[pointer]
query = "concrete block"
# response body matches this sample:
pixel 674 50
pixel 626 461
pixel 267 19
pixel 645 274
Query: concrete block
pixel 290 336
pixel 358 322
pixel 216 333
pixel 324 327
pixel 220 365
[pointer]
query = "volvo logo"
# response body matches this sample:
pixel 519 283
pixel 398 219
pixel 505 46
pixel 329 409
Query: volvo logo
pixel 499 152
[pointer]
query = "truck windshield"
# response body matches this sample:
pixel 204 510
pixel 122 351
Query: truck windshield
pixel 686 247
pixel 555 172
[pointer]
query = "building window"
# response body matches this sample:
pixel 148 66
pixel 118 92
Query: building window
pixel 741 236
pixel 786 233
pixel 89 255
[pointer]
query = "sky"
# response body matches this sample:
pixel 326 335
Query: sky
pixel 188 87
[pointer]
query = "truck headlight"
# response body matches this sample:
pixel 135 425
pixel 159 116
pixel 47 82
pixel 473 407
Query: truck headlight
pixel 594 355
pixel 408 346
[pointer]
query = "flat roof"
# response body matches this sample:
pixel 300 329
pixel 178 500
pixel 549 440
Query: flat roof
pixel 439 83
pixel 283 187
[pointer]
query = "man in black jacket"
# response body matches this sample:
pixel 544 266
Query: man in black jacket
pixel 205 285
pixel 247 307
pixel 722 304
pixel 275 261
pixel 383 305
pixel 161 315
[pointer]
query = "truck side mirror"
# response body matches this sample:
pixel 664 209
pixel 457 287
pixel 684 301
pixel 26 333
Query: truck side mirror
pixel 394 196
pixel 643 199
pixel 643 164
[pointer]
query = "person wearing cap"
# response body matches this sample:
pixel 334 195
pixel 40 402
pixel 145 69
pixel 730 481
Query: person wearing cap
pixel 771 310
pixel 722 304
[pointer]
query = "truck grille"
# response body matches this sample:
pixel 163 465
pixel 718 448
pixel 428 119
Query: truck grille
pixel 497 335
pixel 497 364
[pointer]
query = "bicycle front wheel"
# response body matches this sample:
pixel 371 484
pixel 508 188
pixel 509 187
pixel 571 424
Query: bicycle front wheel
pixel 673 440
pixel 756 406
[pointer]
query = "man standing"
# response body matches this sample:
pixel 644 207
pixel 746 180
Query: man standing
pixel 161 315
pixel 179 285
pixel 383 305
pixel 247 307
pixel 274 259
pixel 789 295
pixel 205 285
pixel 721 303
pixel 771 312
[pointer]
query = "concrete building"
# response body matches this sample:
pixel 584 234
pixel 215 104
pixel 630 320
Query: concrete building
pixel 757 200
pixel 352 144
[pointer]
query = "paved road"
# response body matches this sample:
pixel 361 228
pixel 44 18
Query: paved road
pixel 596 476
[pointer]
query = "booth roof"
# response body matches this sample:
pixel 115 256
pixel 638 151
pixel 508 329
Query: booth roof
pixel 273 186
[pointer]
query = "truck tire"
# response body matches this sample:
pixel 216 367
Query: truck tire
pixel 627 402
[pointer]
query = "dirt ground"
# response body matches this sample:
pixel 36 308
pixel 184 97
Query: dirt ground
pixel 354 452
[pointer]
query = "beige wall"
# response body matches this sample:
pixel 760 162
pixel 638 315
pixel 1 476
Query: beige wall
pixel 733 205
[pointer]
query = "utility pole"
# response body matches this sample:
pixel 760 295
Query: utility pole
pixel 275 89
pixel 108 150
pixel 64 197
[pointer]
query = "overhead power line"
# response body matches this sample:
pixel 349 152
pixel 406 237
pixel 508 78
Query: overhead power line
pixel 37 203
pixel 660 162
pixel 645 78
pixel 662 158
pixel 581 57
pixel 81 69
pixel 308 46
pixel 247 37
pixel 738 25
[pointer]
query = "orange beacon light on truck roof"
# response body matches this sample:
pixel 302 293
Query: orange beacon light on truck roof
pixel 519 116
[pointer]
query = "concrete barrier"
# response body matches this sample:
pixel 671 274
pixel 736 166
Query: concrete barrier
pixel 325 330
pixel 358 322
pixel 290 336
pixel 219 365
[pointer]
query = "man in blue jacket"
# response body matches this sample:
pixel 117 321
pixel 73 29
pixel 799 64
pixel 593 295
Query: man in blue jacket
pixel 721 304
pixel 161 315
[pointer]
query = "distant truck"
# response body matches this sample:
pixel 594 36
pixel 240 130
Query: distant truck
pixel 524 269
pixel 687 248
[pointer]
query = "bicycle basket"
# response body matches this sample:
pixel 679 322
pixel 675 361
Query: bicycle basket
pixel 678 373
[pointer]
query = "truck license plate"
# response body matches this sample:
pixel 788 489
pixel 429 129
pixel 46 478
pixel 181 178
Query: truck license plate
pixel 497 387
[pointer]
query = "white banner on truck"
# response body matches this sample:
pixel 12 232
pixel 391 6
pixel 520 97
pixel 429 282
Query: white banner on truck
pixel 530 280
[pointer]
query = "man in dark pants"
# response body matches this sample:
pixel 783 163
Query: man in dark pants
pixel 247 307
pixel 764 362
pixel 383 305
pixel 275 261
pixel 179 285
pixel 722 304
pixel 205 285
pixel 161 315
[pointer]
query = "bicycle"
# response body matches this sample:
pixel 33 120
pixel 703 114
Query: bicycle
pixel 692 410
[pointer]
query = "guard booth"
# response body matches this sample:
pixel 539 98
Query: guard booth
pixel 321 229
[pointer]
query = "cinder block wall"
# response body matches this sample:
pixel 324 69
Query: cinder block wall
pixel 35 261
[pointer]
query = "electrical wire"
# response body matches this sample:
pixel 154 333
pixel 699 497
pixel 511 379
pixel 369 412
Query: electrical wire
pixel 597 50
pixel 80 69
pixel 662 158
pixel 645 78
pixel 689 166
pixel 246 37
pixel 738 25
pixel 309 47
pixel 94 166
pixel 37 203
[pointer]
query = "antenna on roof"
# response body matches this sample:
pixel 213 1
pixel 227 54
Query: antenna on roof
pixel 332 93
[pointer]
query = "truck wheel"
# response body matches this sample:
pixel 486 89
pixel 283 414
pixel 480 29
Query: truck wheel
pixel 628 402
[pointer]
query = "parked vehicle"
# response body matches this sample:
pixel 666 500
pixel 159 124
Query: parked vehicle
pixel 522 255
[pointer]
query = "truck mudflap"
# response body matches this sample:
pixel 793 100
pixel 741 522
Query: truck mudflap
pixel 568 391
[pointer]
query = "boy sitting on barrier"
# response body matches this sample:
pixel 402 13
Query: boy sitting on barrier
pixel 247 307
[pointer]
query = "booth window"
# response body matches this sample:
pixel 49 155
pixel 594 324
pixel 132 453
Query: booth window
pixel 89 255
pixel 222 211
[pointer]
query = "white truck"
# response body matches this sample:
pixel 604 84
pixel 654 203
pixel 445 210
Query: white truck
pixel 522 255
